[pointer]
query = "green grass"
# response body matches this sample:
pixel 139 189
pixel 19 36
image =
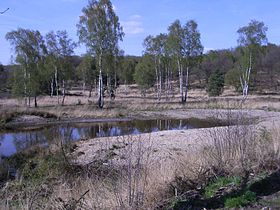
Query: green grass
pixel 213 187
pixel 241 201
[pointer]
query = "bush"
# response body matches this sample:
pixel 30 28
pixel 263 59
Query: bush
pixel 144 76
pixel 216 84
pixel 232 78
pixel 212 188
pixel 240 201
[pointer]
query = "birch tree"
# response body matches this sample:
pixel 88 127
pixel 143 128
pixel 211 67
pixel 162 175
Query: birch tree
pixel 175 46
pixel 100 31
pixel 192 50
pixel 251 38
pixel 184 45
pixel 155 47
pixel 60 47
pixel 30 52
pixel 88 73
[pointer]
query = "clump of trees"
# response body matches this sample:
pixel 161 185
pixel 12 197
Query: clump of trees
pixel 171 61
pixel 174 54
pixel 178 56
pixel 42 62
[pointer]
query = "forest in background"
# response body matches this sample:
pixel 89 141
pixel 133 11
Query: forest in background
pixel 266 77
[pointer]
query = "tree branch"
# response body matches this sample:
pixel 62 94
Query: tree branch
pixel 4 11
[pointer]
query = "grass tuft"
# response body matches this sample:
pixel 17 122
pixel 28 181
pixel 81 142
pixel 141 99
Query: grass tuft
pixel 241 201
pixel 213 187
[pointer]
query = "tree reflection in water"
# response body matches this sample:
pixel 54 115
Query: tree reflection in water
pixel 11 143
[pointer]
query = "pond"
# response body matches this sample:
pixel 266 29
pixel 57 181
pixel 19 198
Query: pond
pixel 13 142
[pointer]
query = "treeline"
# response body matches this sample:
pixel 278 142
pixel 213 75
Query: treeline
pixel 43 63
pixel 177 56
pixel 172 62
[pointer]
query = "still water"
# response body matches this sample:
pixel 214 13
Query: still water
pixel 11 143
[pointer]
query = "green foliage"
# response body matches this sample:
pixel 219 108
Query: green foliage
pixel 240 201
pixel 37 169
pixel 252 34
pixel 99 28
pixel 128 70
pixel 87 70
pixel 144 75
pixel 60 48
pixel 216 84
pixel 212 188
pixel 30 52
pixel 232 78
pixel 17 82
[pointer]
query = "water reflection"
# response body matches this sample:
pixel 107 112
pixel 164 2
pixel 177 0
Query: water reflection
pixel 11 143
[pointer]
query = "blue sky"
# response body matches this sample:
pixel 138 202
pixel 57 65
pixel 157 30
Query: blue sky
pixel 218 20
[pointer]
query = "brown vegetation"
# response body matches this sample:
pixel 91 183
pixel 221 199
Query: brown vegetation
pixel 143 172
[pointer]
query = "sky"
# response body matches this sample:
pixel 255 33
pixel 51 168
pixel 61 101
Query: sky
pixel 218 20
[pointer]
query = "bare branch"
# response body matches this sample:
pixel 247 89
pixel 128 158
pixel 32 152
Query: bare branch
pixel 4 11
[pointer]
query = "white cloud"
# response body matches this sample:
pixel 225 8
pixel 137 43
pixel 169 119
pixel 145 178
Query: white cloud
pixel 133 25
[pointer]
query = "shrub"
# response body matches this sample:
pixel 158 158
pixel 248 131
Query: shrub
pixel 232 78
pixel 143 75
pixel 240 201
pixel 216 84
pixel 212 188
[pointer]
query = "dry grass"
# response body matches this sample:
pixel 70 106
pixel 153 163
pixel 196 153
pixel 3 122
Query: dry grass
pixel 79 105
pixel 136 172
pixel 146 171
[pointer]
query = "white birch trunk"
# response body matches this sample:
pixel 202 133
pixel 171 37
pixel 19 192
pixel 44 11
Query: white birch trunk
pixel 29 97
pixel 63 91
pixel 245 79
pixel 52 88
pixel 56 85
pixel 84 87
pixel 187 85
pixel 160 80
pixel 167 83
pixel 100 84
pixel 157 85
pixel 25 86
